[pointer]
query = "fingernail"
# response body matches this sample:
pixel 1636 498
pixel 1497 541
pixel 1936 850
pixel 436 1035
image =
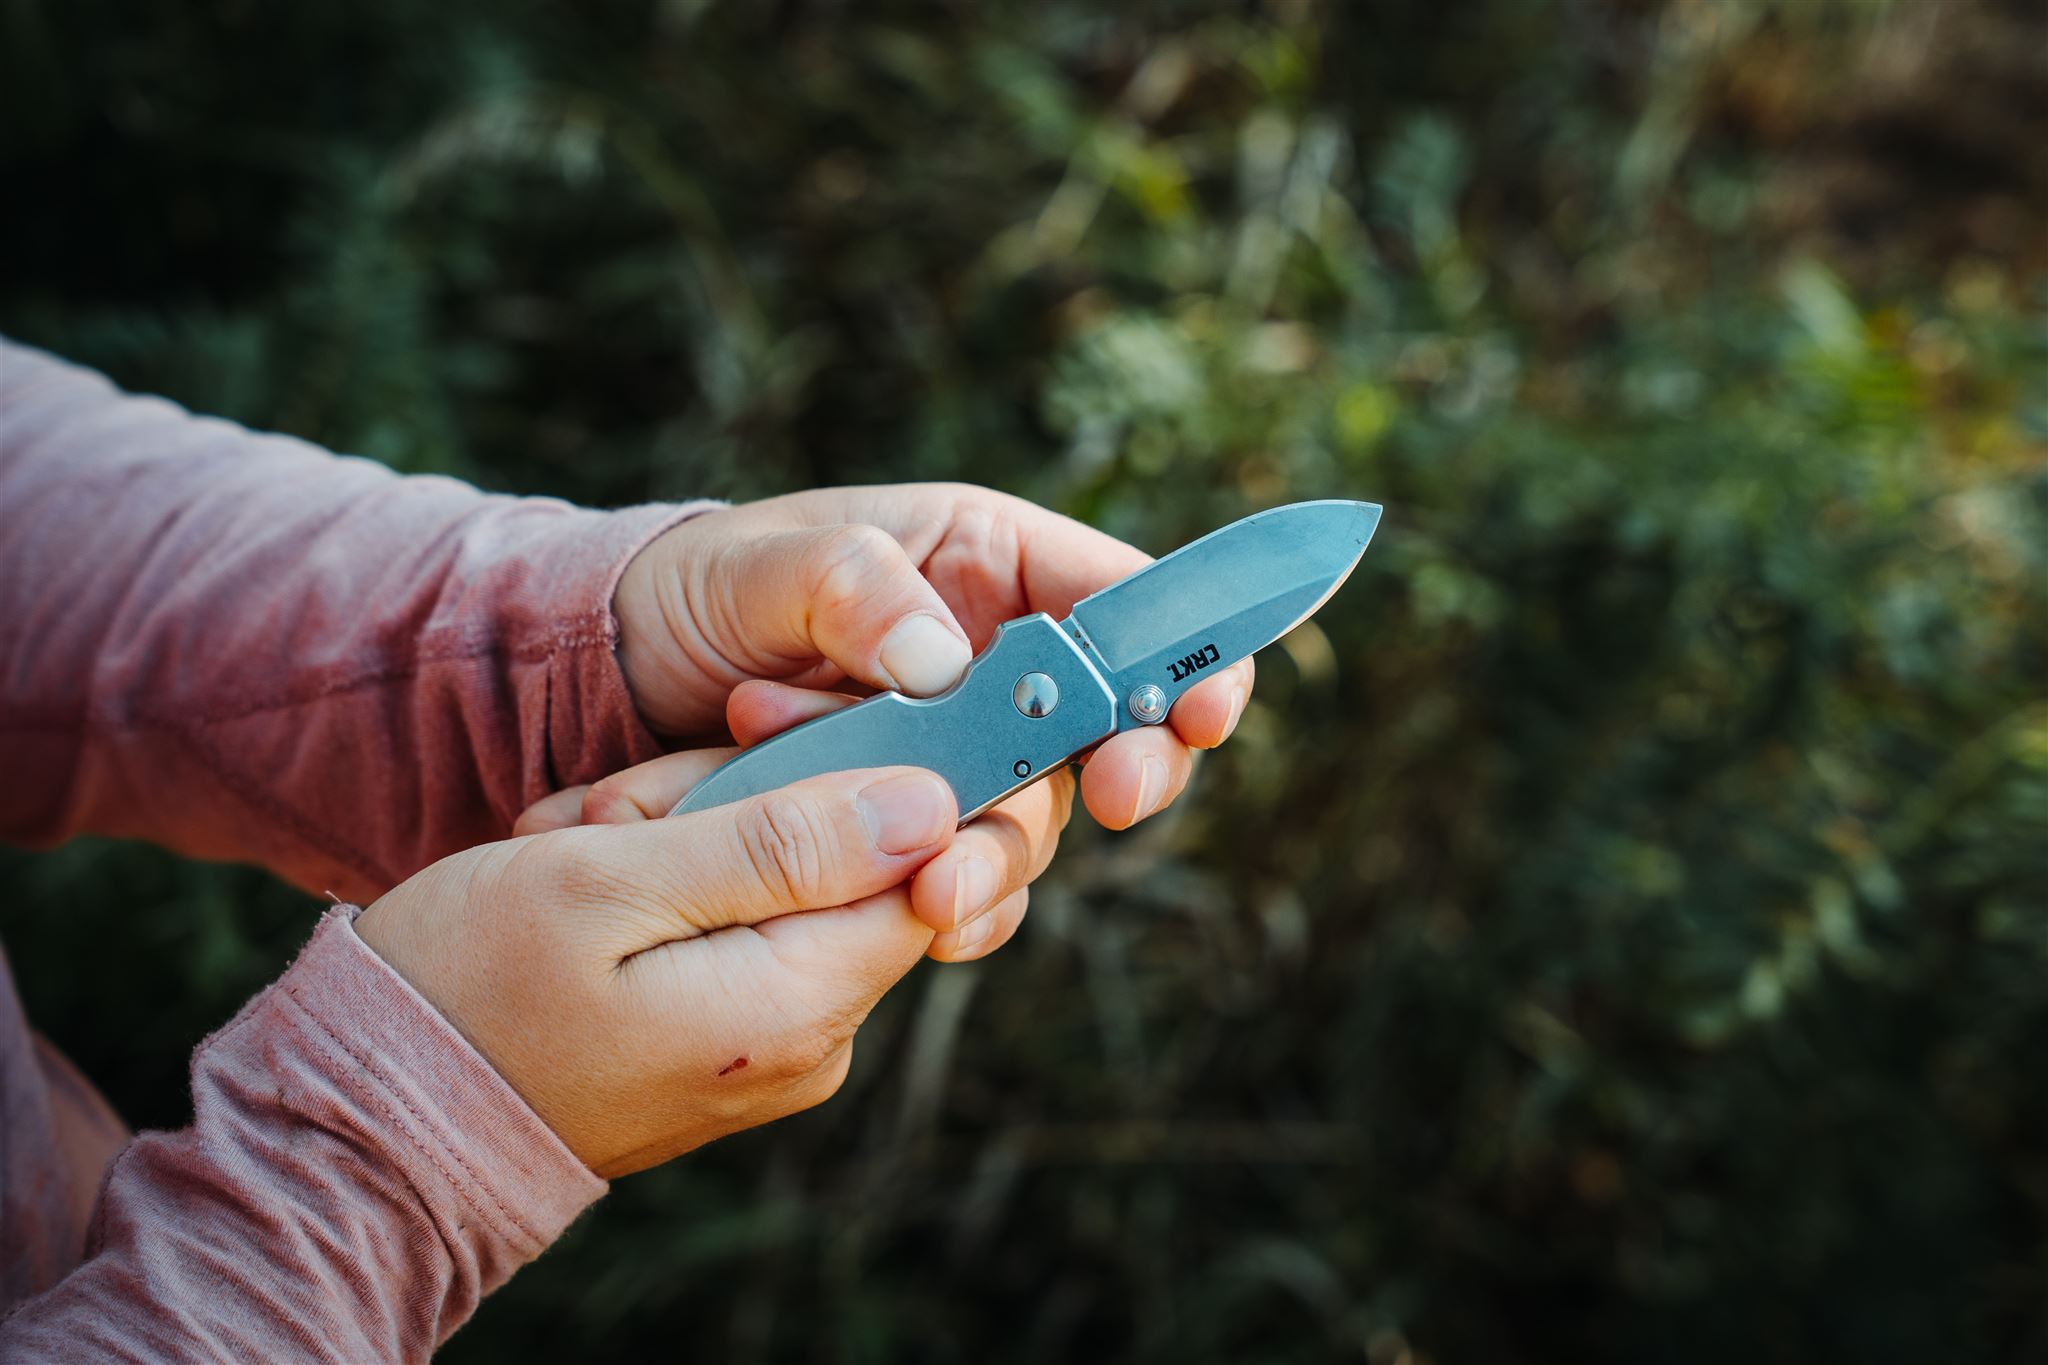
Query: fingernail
pixel 922 656
pixel 906 813
pixel 1151 786
pixel 974 933
pixel 1237 700
pixel 974 886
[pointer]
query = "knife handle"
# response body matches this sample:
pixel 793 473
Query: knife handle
pixel 1025 707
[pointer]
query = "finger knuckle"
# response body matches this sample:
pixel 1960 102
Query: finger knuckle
pixel 787 841
pixel 607 803
pixel 1063 788
pixel 848 561
pixel 569 866
pixel 790 1066
pixel 824 1080
pixel 816 1051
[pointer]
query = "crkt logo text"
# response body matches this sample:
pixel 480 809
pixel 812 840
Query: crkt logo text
pixel 1193 663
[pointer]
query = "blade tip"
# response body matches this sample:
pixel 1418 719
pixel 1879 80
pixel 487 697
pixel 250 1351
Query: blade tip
pixel 1369 517
pixel 1357 518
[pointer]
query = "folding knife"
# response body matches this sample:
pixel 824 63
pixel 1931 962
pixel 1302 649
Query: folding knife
pixel 1044 692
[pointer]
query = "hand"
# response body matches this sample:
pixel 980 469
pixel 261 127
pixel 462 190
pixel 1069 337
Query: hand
pixel 972 894
pixel 649 987
pixel 891 587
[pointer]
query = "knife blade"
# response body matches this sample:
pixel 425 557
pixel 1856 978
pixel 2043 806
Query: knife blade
pixel 1044 692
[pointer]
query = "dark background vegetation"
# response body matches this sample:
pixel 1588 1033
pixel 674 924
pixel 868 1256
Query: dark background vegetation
pixel 1620 930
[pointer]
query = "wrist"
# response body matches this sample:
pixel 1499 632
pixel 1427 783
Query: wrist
pixel 650 607
pixel 455 1114
pixel 412 931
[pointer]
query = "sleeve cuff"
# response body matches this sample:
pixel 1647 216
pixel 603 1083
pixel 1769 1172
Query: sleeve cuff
pixel 455 1128
pixel 593 726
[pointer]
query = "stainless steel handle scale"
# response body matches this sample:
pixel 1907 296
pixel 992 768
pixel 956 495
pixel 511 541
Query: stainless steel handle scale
pixel 1025 706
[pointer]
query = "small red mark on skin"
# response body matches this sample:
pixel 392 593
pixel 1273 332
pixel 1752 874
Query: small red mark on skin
pixel 736 1064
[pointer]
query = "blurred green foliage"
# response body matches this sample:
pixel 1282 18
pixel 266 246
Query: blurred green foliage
pixel 1620 929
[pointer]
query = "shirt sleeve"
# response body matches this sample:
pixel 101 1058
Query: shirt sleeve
pixel 355 1179
pixel 243 647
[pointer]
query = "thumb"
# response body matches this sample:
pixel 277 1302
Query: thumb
pixel 812 845
pixel 847 594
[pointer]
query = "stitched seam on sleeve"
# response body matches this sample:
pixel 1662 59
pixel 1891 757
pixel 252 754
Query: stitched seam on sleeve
pixel 315 835
pixel 570 636
pixel 190 728
pixel 504 1214
pixel 80 716
pixel 566 637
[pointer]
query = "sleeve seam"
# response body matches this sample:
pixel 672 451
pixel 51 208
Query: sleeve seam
pixel 81 716
pixel 389 1092
pixel 577 634
pixel 312 833
pixel 191 727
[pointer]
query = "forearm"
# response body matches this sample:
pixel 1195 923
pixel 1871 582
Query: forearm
pixel 244 647
pixel 354 1180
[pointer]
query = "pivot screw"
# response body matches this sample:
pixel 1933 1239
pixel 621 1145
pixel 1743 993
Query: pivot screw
pixel 1148 704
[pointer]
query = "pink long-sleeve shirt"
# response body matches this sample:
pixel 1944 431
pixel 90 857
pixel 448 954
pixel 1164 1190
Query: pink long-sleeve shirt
pixel 243 647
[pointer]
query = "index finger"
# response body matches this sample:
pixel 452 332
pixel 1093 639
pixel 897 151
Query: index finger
pixel 648 791
pixel 977 545
pixel 1061 560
